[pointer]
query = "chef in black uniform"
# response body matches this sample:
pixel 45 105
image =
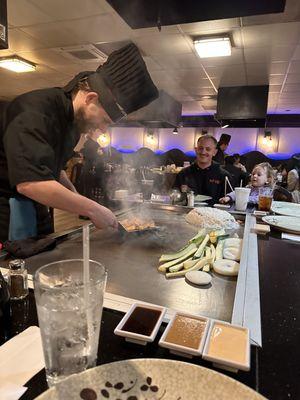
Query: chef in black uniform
pixel 39 130
pixel 221 148
pixel 204 176
pixel 93 164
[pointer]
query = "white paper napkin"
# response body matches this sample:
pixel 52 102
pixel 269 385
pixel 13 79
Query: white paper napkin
pixel 20 359
pixel 290 236
pixel 11 392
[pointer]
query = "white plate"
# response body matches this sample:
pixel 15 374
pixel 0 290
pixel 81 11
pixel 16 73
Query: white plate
pixel 284 208
pixel 150 379
pixel 201 197
pixel 283 223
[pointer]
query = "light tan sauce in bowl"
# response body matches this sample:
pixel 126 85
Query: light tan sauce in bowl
pixel 186 331
pixel 229 343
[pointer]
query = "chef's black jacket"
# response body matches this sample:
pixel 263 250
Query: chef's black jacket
pixel 93 167
pixel 219 157
pixel 37 137
pixel 209 181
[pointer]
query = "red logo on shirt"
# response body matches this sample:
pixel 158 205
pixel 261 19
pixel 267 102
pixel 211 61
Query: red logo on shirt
pixel 215 181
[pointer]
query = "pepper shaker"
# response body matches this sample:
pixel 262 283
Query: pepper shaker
pixel 17 280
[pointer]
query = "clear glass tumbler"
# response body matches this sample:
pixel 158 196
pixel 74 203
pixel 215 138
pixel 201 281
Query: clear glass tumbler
pixel 69 313
pixel 265 198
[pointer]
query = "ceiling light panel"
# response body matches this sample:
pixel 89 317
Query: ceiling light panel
pixel 213 47
pixel 17 65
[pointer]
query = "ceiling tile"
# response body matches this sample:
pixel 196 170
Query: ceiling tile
pixel 151 64
pixel 202 83
pixel 193 75
pixel 178 61
pixel 290 95
pixel 101 28
pixel 268 54
pixel 293 87
pixel 296 55
pixel 273 96
pixel 47 57
pixel 54 34
pixel 278 67
pixel 154 31
pixel 294 67
pixel 271 35
pixel 235 58
pixel 275 89
pixel 230 80
pixel 293 78
pixel 199 92
pixel 69 9
pixel 226 71
pixel 282 53
pixel 161 76
pixel 192 107
pixel 257 80
pixel 214 26
pixel 185 98
pixel 163 44
pixel 22 13
pixel 5 53
pixel 258 70
pixel 20 41
pixel 276 79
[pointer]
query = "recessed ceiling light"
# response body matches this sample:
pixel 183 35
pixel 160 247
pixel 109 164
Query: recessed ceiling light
pixel 175 131
pixel 17 64
pixel 224 126
pixel 213 47
pixel 206 97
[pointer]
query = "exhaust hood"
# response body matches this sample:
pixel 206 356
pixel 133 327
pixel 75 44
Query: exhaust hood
pixel 145 14
pixel 240 106
pixel 164 112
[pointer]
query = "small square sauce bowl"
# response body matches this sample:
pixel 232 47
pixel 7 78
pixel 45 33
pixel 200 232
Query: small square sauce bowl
pixel 228 346
pixel 141 323
pixel 185 334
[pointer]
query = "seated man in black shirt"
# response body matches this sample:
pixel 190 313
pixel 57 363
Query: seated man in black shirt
pixel 204 176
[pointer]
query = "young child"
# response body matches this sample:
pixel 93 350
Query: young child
pixel 262 175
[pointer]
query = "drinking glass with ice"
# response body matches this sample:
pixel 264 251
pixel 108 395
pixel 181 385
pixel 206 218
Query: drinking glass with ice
pixel 69 314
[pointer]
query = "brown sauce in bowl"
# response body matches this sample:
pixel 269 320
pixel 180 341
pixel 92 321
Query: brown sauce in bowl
pixel 186 331
pixel 142 321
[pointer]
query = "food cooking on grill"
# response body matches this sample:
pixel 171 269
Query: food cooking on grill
pixel 134 224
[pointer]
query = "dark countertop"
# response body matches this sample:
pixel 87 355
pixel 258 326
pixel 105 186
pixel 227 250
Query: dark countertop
pixel 278 361
pixel 273 367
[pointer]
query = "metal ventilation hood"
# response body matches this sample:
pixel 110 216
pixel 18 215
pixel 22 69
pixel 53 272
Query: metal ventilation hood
pixel 145 14
pixel 164 112
pixel 240 106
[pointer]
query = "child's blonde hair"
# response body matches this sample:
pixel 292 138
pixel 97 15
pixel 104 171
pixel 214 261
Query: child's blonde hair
pixel 269 171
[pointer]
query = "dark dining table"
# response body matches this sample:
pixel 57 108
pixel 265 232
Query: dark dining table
pixel 274 367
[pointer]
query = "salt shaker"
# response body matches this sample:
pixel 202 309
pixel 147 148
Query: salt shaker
pixel 191 199
pixel 17 280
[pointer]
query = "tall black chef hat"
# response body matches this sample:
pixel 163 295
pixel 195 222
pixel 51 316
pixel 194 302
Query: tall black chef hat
pixel 122 82
pixel 224 139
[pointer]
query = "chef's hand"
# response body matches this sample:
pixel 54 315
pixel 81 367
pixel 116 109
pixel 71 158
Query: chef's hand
pixel 102 218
